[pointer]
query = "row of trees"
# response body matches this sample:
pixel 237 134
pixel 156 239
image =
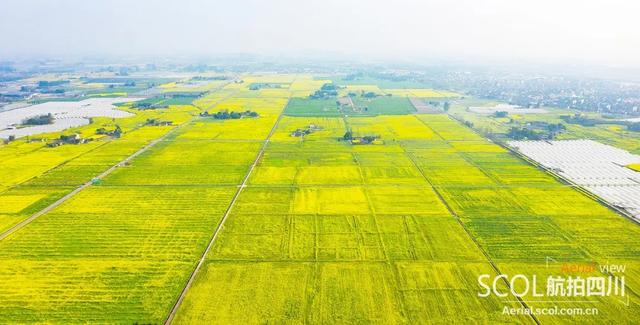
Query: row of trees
pixel 536 131
pixel 117 132
pixel 348 136
pixel 586 121
pixel 579 119
pixel 226 115
pixel 327 90
pixel 39 120
pixel 518 133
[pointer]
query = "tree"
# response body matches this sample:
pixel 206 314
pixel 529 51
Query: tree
pixel 368 138
pixel 579 119
pixel 328 86
pixel 117 132
pixel 369 94
pixel 554 128
pixel 523 133
pixel 500 114
pixel 347 136
pixel 446 106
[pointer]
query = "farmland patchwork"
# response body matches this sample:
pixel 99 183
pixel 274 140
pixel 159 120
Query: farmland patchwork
pixel 324 230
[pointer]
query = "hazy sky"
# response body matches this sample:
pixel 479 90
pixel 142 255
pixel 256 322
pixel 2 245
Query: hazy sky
pixel 602 31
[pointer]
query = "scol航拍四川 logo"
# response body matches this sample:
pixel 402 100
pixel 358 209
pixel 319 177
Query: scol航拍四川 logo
pixel 610 283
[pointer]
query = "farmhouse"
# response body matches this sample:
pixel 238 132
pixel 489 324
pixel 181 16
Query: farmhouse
pixel 68 139
pixel 156 122
pixel 308 130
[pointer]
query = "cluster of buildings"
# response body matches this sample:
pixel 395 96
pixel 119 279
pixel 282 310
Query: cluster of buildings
pixel 591 95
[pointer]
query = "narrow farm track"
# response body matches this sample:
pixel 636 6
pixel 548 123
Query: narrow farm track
pixel 89 183
pixel 227 212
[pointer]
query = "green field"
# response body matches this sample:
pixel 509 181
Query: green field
pixel 322 231
pixel 385 105
pixel 312 107
pixel 381 105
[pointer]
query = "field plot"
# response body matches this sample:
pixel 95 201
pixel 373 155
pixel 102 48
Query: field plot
pixel 305 85
pixel 510 109
pixel 24 166
pixel 312 107
pixel 447 129
pixel 324 129
pixel 383 105
pixel 392 128
pixel 21 202
pixel 188 162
